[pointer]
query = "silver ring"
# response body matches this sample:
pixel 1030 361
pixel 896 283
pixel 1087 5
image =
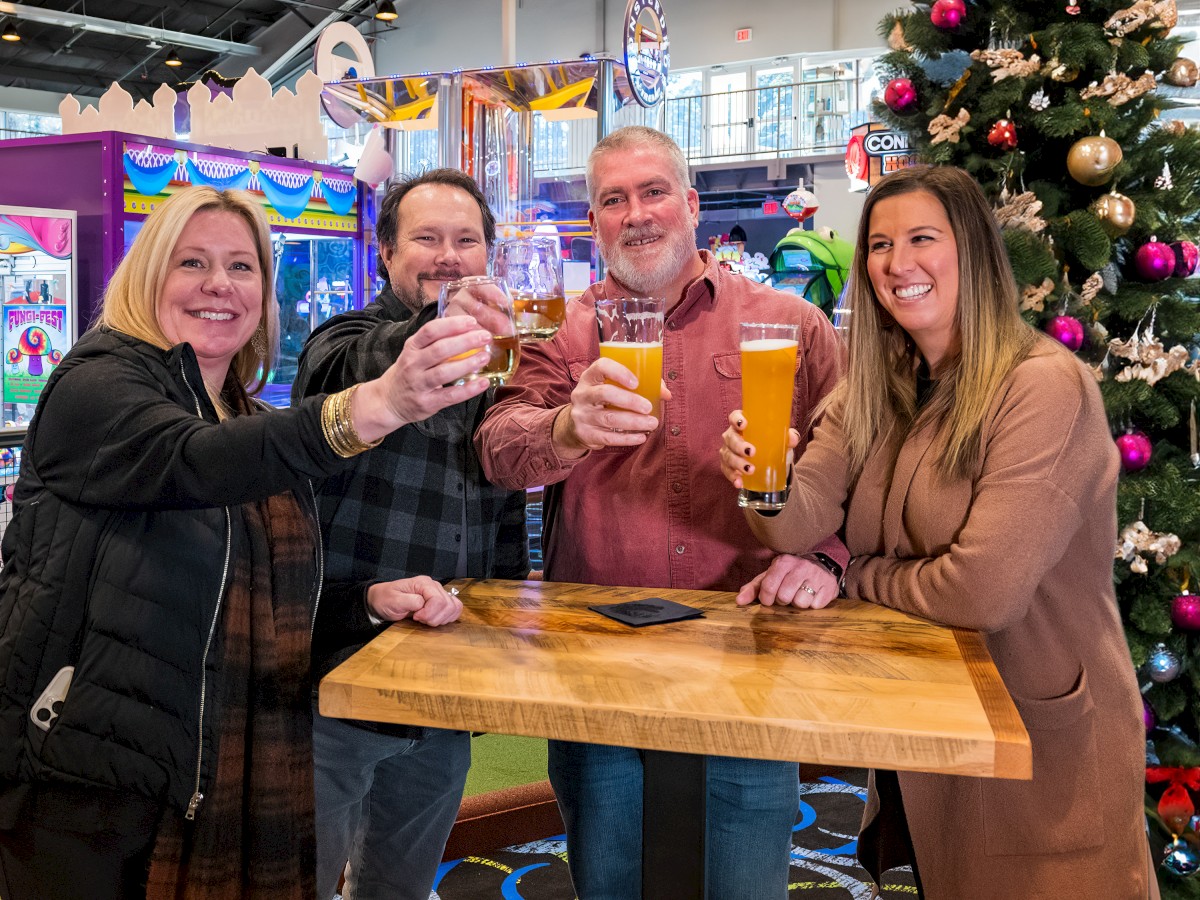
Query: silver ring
pixel 804 587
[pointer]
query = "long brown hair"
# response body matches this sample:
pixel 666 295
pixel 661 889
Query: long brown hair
pixel 879 392
pixel 131 299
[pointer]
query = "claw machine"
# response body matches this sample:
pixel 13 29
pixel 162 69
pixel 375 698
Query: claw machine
pixel 112 180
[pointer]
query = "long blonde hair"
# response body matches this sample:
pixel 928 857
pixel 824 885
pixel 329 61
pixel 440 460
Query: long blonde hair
pixel 131 299
pixel 879 395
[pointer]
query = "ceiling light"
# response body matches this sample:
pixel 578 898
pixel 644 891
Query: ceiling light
pixel 386 11
pixel 173 60
pixel 10 33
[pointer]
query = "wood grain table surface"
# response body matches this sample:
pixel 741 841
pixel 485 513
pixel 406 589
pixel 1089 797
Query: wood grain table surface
pixel 854 684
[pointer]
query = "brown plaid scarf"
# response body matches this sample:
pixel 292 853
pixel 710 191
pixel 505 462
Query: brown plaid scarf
pixel 253 835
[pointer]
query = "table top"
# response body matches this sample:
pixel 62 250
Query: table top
pixel 853 684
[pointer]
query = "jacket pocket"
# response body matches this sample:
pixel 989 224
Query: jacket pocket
pixel 1059 811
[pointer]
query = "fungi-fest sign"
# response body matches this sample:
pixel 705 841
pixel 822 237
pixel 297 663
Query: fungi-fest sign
pixel 37 280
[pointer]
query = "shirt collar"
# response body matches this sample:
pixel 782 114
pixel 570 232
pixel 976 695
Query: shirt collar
pixel 702 288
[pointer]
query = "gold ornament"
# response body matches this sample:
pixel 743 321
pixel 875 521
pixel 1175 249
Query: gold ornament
pixel 1091 160
pixel 945 129
pixel 1181 73
pixel 1116 213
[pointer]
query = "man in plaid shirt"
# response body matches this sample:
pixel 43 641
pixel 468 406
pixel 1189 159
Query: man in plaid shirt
pixel 417 505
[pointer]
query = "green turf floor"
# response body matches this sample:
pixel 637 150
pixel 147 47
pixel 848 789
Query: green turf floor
pixel 502 761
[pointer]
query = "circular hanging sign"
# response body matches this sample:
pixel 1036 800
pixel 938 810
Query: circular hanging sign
pixel 647 51
pixel 332 67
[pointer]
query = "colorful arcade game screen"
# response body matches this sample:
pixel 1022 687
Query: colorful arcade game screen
pixel 37 277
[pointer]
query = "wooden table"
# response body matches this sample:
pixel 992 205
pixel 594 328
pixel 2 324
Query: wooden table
pixel 851 685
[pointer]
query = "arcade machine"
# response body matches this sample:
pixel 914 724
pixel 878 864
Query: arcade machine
pixel 37 281
pixel 811 263
pixel 112 180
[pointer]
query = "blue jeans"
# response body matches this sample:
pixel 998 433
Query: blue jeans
pixel 752 806
pixel 387 805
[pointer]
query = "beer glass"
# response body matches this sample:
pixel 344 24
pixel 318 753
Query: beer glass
pixel 631 332
pixel 768 382
pixel 484 298
pixel 531 270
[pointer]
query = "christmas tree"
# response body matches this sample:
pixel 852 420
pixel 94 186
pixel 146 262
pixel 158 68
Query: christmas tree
pixel 1057 109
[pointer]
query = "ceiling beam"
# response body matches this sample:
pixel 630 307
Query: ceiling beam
pixel 125 29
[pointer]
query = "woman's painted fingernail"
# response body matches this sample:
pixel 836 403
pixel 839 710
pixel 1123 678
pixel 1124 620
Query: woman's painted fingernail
pixel 746 467
pixel 747 451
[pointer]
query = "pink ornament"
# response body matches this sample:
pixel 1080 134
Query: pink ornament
pixel 1135 449
pixel 1187 255
pixel 900 96
pixel 1185 612
pixel 8 492
pixel 947 14
pixel 1148 717
pixel 1067 330
pixel 1155 260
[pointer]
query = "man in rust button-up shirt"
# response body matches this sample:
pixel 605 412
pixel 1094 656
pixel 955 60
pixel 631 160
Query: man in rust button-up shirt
pixel 632 501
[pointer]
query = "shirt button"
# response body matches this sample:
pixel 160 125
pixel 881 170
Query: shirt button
pixel 672 375
pixel 677 487
pixel 679 548
pixel 458 537
pixel 460 485
pixel 675 431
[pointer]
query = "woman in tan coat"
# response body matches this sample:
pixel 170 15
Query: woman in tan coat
pixel 969 464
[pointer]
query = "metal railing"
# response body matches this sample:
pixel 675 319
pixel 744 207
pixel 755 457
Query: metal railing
pixel 785 121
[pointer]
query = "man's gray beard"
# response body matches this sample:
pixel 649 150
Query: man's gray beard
pixel 653 280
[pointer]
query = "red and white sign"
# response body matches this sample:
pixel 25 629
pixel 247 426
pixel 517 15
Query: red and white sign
pixel 742 35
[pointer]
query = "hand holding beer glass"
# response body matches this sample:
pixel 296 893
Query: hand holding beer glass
pixel 531 270
pixel 631 333
pixel 768 383
pixel 484 299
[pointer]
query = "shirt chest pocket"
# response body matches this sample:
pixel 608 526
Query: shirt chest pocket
pixel 728 368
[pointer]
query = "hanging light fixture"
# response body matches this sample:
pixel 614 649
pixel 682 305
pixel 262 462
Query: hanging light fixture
pixel 10 33
pixel 386 11
pixel 173 60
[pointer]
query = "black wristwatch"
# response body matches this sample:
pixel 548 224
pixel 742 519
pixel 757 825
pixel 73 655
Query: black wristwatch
pixel 831 565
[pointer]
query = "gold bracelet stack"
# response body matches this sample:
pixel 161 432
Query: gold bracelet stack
pixel 338 427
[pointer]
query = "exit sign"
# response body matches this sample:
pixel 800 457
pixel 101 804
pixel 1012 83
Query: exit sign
pixel 770 207
pixel 742 35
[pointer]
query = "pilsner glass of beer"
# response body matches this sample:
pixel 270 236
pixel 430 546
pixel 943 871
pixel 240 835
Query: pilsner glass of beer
pixel 485 299
pixel 631 332
pixel 531 270
pixel 768 382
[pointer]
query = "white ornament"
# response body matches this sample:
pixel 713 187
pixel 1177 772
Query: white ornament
pixel 1163 182
pixel 1039 101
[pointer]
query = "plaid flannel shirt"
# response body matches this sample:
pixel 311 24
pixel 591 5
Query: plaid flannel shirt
pixel 398 511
